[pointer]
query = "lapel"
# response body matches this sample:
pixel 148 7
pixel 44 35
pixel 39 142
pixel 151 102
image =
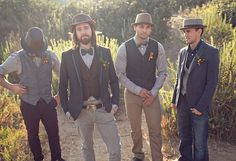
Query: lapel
pixel 199 54
pixel 100 56
pixel 75 58
pixel 184 59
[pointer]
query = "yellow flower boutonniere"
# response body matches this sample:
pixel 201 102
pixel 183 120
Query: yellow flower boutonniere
pixel 200 60
pixel 45 60
pixel 151 56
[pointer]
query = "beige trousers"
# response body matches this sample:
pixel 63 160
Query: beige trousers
pixel 135 106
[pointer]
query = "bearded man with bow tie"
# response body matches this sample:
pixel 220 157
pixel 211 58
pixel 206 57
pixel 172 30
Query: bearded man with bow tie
pixel 87 72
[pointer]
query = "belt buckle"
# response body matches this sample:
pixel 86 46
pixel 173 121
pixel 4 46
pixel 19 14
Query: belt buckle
pixel 91 108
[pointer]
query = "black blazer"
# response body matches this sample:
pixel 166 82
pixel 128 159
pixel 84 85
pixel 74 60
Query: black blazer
pixel 203 77
pixel 70 90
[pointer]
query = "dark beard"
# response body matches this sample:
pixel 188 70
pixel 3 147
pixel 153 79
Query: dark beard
pixel 85 40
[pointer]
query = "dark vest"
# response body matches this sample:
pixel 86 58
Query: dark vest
pixel 141 69
pixel 90 78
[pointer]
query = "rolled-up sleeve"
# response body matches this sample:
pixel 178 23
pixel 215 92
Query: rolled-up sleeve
pixel 161 70
pixel 11 64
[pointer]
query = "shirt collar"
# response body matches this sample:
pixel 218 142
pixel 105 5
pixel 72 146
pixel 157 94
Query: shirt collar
pixel 196 48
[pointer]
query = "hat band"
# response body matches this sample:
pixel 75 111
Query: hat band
pixel 194 26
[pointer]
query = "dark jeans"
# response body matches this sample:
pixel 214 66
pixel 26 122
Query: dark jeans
pixel 193 133
pixel 47 114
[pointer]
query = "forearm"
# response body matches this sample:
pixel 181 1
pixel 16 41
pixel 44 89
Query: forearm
pixel 63 95
pixel 4 83
pixel 120 66
pixel 158 84
pixel 177 78
pixel 132 87
pixel 161 71
pixel 63 84
pixel 212 79
pixel 114 84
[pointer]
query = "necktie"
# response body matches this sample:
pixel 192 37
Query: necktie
pixel 86 51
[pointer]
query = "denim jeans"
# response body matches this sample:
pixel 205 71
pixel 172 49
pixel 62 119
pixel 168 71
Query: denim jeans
pixel 193 133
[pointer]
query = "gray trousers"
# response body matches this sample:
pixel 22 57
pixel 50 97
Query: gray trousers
pixel 135 106
pixel 106 126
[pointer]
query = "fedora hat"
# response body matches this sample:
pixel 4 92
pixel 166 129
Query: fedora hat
pixel 192 23
pixel 34 41
pixel 143 18
pixel 82 18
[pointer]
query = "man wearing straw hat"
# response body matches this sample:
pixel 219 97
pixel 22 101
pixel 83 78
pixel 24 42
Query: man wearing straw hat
pixel 196 82
pixel 34 64
pixel 89 89
pixel 141 67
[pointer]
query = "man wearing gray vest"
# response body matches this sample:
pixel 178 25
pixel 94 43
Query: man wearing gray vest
pixel 141 67
pixel 197 76
pixel 34 64
pixel 89 89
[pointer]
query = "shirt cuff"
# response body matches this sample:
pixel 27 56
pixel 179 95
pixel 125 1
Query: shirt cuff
pixel 2 71
pixel 114 106
pixel 154 92
pixel 137 90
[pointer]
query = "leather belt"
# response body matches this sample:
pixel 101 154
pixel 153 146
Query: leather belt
pixel 92 107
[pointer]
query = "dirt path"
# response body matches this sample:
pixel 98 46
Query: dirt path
pixel 70 142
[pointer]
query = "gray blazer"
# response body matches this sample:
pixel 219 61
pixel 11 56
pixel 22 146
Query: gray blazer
pixel 203 77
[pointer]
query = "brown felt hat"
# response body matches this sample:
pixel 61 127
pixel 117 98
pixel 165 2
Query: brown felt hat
pixel 143 18
pixel 82 18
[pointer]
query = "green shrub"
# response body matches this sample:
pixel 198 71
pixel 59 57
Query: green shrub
pixel 13 142
pixel 169 127
pixel 13 145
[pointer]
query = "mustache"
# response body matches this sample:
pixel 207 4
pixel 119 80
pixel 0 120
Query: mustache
pixel 85 35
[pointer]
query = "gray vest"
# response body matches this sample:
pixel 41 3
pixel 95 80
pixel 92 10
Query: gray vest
pixel 185 76
pixel 37 79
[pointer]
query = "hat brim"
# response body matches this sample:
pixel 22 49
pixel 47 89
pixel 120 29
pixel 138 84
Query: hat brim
pixel 27 49
pixel 132 24
pixel 92 22
pixel 193 26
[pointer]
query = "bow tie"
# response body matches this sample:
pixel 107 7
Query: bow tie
pixel 142 44
pixel 86 51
